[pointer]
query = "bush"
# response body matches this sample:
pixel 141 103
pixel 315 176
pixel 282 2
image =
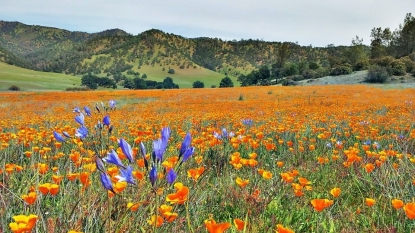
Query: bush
pixel 383 61
pixel 377 74
pixel 14 88
pixel 409 64
pixel 361 65
pixel 309 74
pixel 288 82
pixel 341 69
pixel 171 71
pixel 297 77
pixel 398 68
pixel 198 84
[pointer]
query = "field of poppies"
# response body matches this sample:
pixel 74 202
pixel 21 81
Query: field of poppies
pixel 260 159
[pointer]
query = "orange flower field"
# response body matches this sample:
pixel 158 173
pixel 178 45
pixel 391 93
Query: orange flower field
pixel 258 159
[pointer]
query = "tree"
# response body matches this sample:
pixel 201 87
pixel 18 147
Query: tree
pixel 129 83
pixel 90 81
pixel 226 82
pixel 139 83
pixel 356 54
pixel 171 71
pixel 198 84
pixel 284 51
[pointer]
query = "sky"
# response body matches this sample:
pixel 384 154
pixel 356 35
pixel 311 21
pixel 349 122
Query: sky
pixel 306 22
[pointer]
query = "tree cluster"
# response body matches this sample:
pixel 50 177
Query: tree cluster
pixel 92 82
pixel 141 84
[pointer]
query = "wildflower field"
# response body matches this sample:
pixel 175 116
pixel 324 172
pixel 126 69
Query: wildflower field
pixel 262 159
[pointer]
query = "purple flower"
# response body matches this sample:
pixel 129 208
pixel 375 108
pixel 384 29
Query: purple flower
pixel 143 153
pixel 189 152
pixel 126 149
pixel 106 120
pixel 158 149
pixel 77 110
pixel 112 104
pixel 247 122
pixel 113 158
pixel 165 134
pixel 66 134
pixel 185 144
pixel 153 175
pixel 58 137
pixel 171 176
pixel 106 182
pixel 81 132
pixel 100 165
pixel 87 111
pixel 126 175
pixel 80 119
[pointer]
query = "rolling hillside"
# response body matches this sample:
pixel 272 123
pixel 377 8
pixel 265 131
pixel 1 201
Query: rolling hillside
pixel 115 53
pixel 29 80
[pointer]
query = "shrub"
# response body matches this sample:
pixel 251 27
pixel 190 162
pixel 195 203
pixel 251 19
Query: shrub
pixel 77 89
pixel 171 71
pixel 398 68
pixel 14 88
pixel 409 64
pixel 198 84
pixel 383 61
pixel 309 74
pixel 377 74
pixel 361 65
pixel 297 77
pixel 341 69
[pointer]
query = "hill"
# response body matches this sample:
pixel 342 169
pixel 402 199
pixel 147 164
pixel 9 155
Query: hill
pixel 119 55
pixel 29 80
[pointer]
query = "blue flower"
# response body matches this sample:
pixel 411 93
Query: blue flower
pixel 126 175
pixel 66 134
pixel 77 110
pixel 189 152
pixel 158 149
pixel 185 144
pixel 100 165
pixel 80 119
pixel 106 120
pixel 113 158
pixel 247 122
pixel 106 182
pixel 165 134
pixel 126 149
pixel 58 137
pixel 112 104
pixel 143 153
pixel 81 132
pixel 153 175
pixel 87 111
pixel 171 176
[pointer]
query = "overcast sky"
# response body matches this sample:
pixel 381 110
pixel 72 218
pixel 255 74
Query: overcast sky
pixel 315 22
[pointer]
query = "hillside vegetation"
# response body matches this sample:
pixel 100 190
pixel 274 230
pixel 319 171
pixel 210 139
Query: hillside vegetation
pixel 30 80
pixel 155 55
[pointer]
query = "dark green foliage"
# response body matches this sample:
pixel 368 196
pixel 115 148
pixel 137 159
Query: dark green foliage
pixel 309 74
pixel 14 88
pixel 92 81
pixel 377 74
pixel 313 65
pixel 291 69
pixel 397 67
pixel 139 83
pixel 129 83
pixel 171 71
pixel 341 69
pixel 198 84
pixel 169 84
pixel 226 82
pixel 256 77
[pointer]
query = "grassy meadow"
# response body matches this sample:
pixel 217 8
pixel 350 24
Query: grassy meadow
pixel 30 80
pixel 260 159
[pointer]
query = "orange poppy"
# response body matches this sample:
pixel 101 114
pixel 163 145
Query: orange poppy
pixel 320 204
pixel 397 204
pixel 335 192
pixel 213 227
pixel 410 210
pixel 370 201
pixel 180 196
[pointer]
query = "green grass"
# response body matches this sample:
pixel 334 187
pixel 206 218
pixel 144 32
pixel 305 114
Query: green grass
pixel 29 80
pixel 184 77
